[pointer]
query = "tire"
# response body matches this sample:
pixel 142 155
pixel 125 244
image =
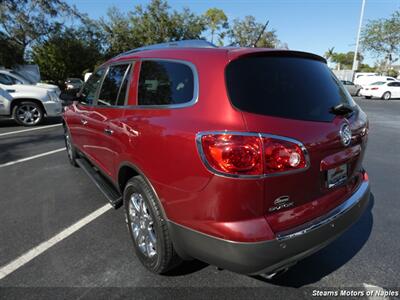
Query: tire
pixel 357 93
pixel 28 113
pixel 71 151
pixel 386 96
pixel 148 228
pixel 367 97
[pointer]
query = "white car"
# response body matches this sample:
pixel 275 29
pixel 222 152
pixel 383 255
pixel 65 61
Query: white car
pixel 367 80
pixel 382 89
pixel 28 104
pixel 13 77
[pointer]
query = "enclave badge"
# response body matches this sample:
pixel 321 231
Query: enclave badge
pixel 345 134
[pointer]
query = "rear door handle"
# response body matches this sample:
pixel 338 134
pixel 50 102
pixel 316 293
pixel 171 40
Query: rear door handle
pixel 84 122
pixel 108 131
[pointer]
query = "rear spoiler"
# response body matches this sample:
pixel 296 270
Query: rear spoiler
pixel 276 52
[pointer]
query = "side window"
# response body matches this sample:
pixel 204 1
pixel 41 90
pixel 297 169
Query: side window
pixel 113 90
pixel 5 79
pixel 165 82
pixel 89 89
pixel 397 84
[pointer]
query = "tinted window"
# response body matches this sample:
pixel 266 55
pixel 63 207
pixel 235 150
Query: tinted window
pixel 5 79
pixel 112 84
pixel 288 87
pixel 89 89
pixel 394 84
pixel 164 82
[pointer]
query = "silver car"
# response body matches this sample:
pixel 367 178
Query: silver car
pixel 353 89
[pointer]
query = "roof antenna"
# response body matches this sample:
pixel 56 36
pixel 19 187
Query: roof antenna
pixel 259 36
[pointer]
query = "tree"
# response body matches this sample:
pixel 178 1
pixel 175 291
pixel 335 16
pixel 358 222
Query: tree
pixel 24 22
pixel 152 24
pixel 328 54
pixel 10 53
pixel 382 37
pixel 216 21
pixel 66 53
pixel 244 33
pixel 345 59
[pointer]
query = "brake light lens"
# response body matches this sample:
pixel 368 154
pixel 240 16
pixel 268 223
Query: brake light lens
pixel 233 154
pixel 254 155
pixel 375 88
pixel 282 156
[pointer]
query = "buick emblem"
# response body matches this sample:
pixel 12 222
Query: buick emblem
pixel 345 134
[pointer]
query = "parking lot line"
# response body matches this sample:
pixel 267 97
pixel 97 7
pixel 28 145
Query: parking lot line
pixel 30 129
pixel 36 251
pixel 30 157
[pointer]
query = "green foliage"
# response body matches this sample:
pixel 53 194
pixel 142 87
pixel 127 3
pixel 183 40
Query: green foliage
pixel 217 22
pixel 152 24
pixel 345 59
pixel 367 68
pixel 392 73
pixel 382 37
pixel 25 22
pixel 10 53
pixel 65 54
pixel 245 32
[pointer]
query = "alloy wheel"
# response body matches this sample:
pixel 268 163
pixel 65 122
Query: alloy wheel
pixel 142 225
pixel 28 114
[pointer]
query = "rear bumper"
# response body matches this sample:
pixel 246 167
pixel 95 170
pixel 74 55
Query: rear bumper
pixel 272 255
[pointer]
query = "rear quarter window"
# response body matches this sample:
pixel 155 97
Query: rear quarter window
pixel 287 87
pixel 165 83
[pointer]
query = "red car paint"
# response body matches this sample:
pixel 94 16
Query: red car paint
pixel 161 143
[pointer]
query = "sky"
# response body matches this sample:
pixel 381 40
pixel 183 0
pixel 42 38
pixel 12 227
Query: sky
pixel 305 25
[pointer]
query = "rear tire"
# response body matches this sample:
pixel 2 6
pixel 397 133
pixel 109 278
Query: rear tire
pixel 148 228
pixel 367 97
pixel 386 96
pixel 71 151
pixel 28 113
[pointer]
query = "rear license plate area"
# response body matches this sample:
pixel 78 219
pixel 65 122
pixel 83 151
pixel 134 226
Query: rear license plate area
pixel 336 176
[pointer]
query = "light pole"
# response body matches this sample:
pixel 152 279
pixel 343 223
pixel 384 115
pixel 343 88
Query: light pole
pixel 355 61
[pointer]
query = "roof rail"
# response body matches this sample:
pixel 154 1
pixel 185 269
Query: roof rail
pixel 176 44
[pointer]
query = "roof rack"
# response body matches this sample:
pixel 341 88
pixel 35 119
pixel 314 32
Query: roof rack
pixel 177 44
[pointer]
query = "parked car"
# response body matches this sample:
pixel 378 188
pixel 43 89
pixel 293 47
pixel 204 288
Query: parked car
pixel 385 90
pixel 352 88
pixel 27 104
pixel 222 154
pixel 13 78
pixel 73 83
pixel 367 80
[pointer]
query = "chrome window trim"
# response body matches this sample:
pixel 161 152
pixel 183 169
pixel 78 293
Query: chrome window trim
pixel 192 102
pixel 199 135
pixel 131 65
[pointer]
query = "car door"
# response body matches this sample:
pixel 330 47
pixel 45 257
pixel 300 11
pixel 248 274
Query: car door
pixel 395 89
pixel 78 116
pixel 104 120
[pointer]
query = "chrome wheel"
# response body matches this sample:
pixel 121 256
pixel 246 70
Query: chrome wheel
pixel 142 225
pixel 68 145
pixel 28 114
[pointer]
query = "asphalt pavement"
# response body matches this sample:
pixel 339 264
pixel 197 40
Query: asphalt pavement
pixel 42 196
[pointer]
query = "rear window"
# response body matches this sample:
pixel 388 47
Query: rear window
pixel 287 87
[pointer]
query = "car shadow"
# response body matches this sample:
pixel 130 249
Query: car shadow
pixel 328 259
pixel 187 267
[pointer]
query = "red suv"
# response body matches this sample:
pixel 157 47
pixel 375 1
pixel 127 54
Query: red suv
pixel 248 159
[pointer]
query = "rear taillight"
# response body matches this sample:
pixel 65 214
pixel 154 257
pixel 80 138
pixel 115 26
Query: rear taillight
pixel 282 156
pixel 375 88
pixel 233 154
pixel 250 154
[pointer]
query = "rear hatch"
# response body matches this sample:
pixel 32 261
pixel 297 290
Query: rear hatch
pixel 295 95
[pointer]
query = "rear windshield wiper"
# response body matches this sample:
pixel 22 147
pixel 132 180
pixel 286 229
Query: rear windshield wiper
pixel 341 110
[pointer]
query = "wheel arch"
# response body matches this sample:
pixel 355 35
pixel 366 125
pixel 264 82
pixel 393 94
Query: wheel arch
pixel 16 101
pixel 126 171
